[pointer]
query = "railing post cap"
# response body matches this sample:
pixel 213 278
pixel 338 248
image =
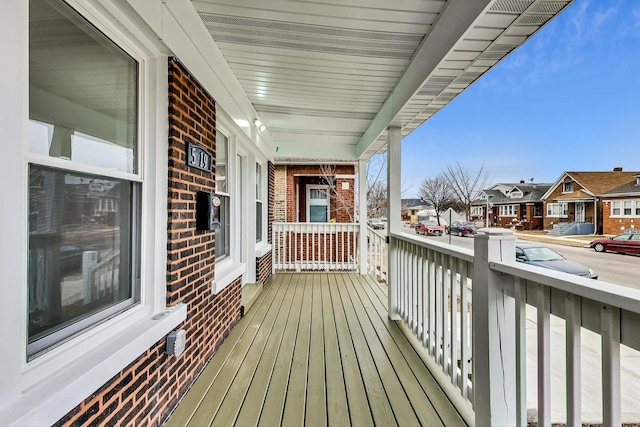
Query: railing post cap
pixel 496 231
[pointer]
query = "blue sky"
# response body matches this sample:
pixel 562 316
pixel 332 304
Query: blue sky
pixel 567 100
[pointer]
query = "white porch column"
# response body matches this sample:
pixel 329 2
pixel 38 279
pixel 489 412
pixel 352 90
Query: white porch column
pixel 362 191
pixel 393 214
pixel 494 354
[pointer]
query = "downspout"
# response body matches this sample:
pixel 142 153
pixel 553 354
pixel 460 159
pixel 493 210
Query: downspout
pixel 595 216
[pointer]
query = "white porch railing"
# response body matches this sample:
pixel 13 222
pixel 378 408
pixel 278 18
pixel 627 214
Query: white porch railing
pixel 430 289
pixel 377 254
pixel 309 246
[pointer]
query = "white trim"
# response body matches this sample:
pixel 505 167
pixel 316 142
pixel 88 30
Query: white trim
pixel 262 249
pixel 46 388
pixel 227 273
pixel 47 401
pixel 327 190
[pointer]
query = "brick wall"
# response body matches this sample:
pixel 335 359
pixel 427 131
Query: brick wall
pixel 271 182
pixel 263 268
pixel 616 225
pixel 299 176
pixel 146 391
pixel 280 194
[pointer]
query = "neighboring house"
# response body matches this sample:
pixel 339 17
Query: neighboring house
pixel 573 204
pixel 314 193
pixel 411 207
pixel 621 208
pixel 505 205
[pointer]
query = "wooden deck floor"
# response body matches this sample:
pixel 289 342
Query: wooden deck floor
pixel 316 349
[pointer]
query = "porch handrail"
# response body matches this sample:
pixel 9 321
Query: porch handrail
pixel 377 254
pixel 432 288
pixel 315 246
pixel 432 292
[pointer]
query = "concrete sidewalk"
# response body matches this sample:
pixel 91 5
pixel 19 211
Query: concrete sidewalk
pixel 570 240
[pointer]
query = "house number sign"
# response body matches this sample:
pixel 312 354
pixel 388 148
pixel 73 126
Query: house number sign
pixel 198 157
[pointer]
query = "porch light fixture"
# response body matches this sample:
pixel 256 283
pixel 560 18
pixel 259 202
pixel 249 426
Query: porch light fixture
pixel 261 127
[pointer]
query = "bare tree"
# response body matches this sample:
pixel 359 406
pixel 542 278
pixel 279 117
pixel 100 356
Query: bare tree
pixel 465 184
pixel 437 192
pixel 377 186
pixel 343 203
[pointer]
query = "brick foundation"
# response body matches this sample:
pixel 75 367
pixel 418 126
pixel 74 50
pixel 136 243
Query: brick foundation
pixel 264 268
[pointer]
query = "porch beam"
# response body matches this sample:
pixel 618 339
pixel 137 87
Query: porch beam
pixel 457 18
pixel 362 198
pixel 393 214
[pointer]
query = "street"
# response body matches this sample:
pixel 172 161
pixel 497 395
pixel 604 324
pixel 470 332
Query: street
pixel 613 268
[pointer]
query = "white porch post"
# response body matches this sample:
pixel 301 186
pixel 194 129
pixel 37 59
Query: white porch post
pixel 393 215
pixel 362 191
pixel 494 343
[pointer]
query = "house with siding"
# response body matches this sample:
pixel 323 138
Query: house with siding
pixel 621 208
pixel 574 205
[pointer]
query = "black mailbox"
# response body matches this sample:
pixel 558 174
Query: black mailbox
pixel 207 211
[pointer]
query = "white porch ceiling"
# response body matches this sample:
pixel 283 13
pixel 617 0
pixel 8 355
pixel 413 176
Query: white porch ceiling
pixel 328 78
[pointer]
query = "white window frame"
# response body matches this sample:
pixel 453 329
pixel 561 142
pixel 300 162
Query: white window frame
pixel 621 205
pixel 567 184
pixel 260 198
pixel 327 189
pixel 516 194
pixel 508 210
pixel 564 207
pixel 44 389
pixel 477 210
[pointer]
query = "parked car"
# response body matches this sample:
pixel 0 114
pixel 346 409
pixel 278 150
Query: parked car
pixel 542 256
pixel 462 228
pixel 429 228
pixel 376 223
pixel 623 243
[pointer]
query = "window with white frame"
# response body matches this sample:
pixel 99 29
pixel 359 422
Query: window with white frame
pixel 567 187
pixel 223 212
pixel 508 210
pixel 318 203
pixel 476 210
pixel 84 211
pixel 622 208
pixel 557 210
pixel 537 210
pixel 258 202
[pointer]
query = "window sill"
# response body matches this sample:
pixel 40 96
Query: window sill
pixel 52 397
pixel 226 273
pixel 262 249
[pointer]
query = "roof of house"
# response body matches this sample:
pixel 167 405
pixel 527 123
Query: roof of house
pixel 531 192
pixel 592 183
pixel 630 188
pixel 411 203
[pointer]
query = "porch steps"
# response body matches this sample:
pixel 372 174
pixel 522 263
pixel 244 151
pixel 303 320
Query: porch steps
pixel 250 293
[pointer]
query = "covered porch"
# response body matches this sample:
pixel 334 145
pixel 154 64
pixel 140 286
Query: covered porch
pixel 317 349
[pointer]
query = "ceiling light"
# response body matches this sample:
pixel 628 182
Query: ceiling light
pixel 261 127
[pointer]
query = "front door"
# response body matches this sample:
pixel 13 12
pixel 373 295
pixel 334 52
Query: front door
pixel 580 211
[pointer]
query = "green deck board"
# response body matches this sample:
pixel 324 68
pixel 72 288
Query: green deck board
pixel 337 407
pixel 316 349
pixel 316 401
pixel 376 393
pixel 294 405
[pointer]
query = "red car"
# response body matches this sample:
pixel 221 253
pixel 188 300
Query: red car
pixel 429 228
pixel 623 243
